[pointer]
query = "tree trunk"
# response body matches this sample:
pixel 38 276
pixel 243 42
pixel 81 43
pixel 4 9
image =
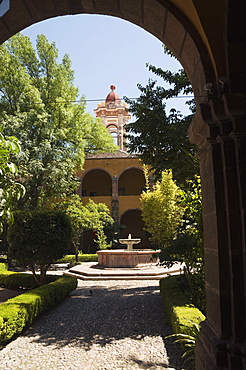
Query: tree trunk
pixel 34 274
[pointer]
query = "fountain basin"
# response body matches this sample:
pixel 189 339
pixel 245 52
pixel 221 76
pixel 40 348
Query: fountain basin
pixel 129 242
pixel 126 259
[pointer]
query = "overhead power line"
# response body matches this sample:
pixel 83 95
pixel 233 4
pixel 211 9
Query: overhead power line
pixel 97 100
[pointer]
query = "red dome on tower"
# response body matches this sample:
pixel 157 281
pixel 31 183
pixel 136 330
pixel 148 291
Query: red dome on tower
pixel 112 96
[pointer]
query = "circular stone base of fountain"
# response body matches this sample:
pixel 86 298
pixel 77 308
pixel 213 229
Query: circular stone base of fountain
pixel 123 258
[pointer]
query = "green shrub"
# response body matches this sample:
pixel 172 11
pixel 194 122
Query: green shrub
pixel 181 312
pixel 20 311
pixel 70 258
pixel 3 266
pixel 184 317
pixel 101 240
pixel 39 238
pixel 9 279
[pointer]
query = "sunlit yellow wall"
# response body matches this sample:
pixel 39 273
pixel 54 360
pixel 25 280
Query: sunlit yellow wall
pixel 118 167
pixel 128 202
pixel 114 166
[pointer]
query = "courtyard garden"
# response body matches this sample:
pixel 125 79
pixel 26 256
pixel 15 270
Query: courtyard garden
pixel 42 220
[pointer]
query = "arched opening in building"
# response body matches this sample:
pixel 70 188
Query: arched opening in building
pixel 208 39
pixel 113 132
pixel 95 183
pixel 133 224
pixel 131 182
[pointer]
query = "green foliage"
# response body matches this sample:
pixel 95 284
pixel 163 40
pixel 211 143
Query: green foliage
pixel 41 107
pixel 20 311
pixel 12 280
pixel 178 81
pixel 3 266
pixel 179 308
pixel 191 199
pixel 9 189
pixel 77 214
pixel 187 247
pixel 184 317
pixel 113 233
pixel 71 258
pixel 159 138
pixel 101 240
pixel 99 216
pixel 39 238
pixel 188 343
pixel 161 211
pixel 92 216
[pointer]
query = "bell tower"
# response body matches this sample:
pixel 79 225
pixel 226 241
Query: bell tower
pixel 114 116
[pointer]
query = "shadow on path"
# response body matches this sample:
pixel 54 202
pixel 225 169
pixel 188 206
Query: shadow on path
pixel 99 315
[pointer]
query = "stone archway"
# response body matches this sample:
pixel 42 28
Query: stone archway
pixel 131 181
pixel 96 182
pixel 209 40
pixel 134 225
pixel 157 18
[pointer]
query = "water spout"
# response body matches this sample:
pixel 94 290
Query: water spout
pixel 129 242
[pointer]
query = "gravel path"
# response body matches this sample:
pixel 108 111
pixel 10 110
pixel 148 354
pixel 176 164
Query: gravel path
pixel 106 325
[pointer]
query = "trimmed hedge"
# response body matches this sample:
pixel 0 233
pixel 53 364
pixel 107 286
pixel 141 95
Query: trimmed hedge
pixel 3 266
pixel 20 311
pixel 181 312
pixel 10 279
pixel 70 258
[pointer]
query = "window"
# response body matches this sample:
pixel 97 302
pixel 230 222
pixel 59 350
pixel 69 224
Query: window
pixel 115 137
pixel 122 191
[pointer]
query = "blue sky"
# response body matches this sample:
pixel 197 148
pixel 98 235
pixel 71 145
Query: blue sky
pixel 104 51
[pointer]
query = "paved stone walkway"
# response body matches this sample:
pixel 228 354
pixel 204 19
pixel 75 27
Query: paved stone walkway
pixel 106 325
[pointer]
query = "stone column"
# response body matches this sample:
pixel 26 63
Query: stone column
pixel 115 200
pixel 223 171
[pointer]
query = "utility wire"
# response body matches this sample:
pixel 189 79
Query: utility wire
pixel 96 100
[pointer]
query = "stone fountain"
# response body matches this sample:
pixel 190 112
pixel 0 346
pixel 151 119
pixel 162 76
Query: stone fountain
pixel 127 258
pixel 129 242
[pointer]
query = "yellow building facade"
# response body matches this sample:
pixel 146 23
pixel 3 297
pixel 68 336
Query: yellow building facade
pixel 116 179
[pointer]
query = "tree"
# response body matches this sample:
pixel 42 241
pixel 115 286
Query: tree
pixel 41 107
pixel 92 216
pixel 39 239
pixel 101 240
pixel 161 212
pixel 99 215
pixel 192 224
pixel 9 189
pixel 77 214
pixel 187 247
pixel 159 138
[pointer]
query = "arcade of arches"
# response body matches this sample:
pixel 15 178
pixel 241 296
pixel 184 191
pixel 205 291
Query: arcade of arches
pixel 209 39
pixel 118 182
pixel 115 179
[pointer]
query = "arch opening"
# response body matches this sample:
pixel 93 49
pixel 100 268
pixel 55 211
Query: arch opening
pixel 168 24
pixel 134 225
pixel 153 16
pixel 96 183
pixel 131 182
